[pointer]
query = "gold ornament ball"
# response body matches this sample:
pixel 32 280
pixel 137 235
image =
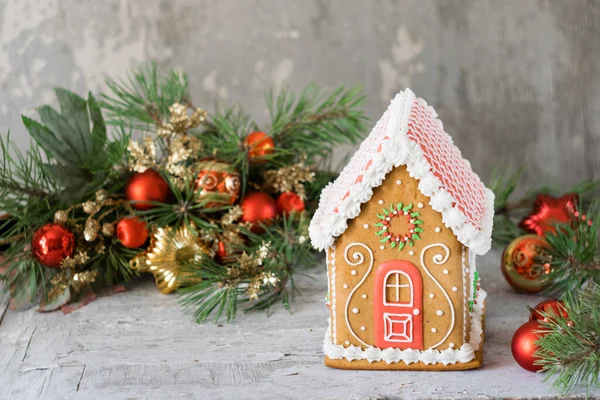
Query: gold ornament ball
pixel 217 183
pixel 520 266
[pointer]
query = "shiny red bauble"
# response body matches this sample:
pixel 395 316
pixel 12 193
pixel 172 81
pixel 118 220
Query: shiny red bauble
pixel 257 208
pixel 552 306
pixel 51 244
pixel 132 232
pixel 523 345
pixel 145 187
pixel 259 144
pixel 289 202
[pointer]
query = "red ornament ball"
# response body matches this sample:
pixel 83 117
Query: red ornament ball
pixel 552 306
pixel 523 345
pixel 258 207
pixel 289 202
pixel 144 187
pixel 51 244
pixel 132 232
pixel 520 267
pixel 259 144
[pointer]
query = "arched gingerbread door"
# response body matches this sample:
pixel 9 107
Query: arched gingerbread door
pixel 398 306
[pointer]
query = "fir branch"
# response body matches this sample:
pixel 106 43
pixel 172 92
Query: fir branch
pixel 223 287
pixel 573 253
pixel 315 117
pixel 223 137
pixel 143 99
pixel 569 349
pixel 23 174
pixel 114 265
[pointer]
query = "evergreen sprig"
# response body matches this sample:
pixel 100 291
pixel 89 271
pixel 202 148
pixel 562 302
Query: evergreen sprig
pixel 573 253
pixel 299 122
pixel 569 347
pixel 214 294
pixel 142 100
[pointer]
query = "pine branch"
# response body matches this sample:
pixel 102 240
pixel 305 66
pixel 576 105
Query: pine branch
pixel 315 117
pixel 570 351
pixel 223 287
pixel 143 99
pixel 573 253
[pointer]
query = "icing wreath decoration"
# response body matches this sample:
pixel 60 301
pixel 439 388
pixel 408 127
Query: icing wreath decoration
pixel 399 240
pixel 142 181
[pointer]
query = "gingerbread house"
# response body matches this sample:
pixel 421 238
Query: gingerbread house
pixel 402 225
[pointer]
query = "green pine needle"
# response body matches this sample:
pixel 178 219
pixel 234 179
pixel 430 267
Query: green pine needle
pixel 142 100
pixel 569 349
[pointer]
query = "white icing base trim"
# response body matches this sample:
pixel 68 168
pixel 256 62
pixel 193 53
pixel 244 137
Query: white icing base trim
pixel 450 355
pixel 397 151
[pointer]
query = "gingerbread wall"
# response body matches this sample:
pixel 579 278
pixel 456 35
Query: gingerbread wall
pixel 443 256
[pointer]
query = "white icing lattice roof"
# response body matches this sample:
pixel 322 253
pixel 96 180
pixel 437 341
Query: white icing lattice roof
pixel 410 134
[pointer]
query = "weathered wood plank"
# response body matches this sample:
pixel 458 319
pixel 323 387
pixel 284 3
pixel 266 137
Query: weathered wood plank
pixel 138 344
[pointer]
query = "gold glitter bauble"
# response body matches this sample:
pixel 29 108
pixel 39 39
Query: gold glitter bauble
pixel 90 207
pixel 61 217
pixel 108 230
pixel 217 183
pixel 169 251
pixel 92 227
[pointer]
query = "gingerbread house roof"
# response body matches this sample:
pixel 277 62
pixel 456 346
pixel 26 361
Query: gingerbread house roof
pixel 410 134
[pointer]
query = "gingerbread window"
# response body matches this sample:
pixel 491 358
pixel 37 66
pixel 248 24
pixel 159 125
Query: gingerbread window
pixel 398 289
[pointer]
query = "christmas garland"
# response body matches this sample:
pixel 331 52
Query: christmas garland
pixel 144 181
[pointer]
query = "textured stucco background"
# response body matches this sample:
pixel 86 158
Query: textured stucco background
pixel 511 79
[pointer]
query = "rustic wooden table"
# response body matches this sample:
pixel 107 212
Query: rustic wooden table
pixel 137 344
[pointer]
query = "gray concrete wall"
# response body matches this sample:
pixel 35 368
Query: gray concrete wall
pixel 513 79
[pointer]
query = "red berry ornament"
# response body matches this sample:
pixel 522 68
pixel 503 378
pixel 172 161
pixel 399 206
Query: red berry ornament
pixel 257 208
pixel 523 345
pixel 51 244
pixel 289 202
pixel 132 232
pixel 259 144
pixel 552 306
pixel 144 187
